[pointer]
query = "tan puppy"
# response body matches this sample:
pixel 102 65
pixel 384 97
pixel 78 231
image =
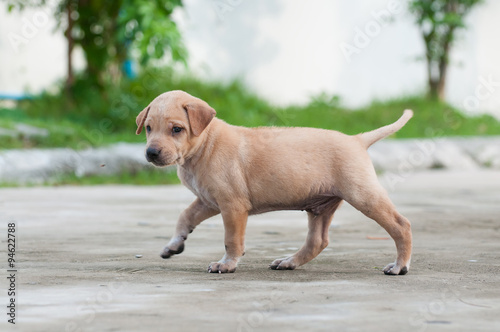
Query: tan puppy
pixel 238 171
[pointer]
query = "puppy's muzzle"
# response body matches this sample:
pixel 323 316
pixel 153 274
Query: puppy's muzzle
pixel 153 154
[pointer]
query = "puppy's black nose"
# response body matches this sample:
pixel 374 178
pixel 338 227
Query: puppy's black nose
pixel 152 153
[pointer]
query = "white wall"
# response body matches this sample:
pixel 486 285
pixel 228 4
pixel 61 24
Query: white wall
pixel 32 53
pixel 289 50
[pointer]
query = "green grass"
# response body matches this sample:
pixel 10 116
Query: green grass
pixel 148 177
pixel 62 132
pixel 143 177
pixel 89 117
pixel 431 119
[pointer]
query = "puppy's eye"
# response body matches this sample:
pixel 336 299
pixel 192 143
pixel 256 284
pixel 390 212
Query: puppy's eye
pixel 148 128
pixel 176 129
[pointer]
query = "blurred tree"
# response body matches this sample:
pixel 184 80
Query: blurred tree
pixel 109 32
pixel 439 20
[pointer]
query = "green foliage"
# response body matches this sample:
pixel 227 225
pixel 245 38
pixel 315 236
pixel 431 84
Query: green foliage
pixel 109 32
pixel 146 25
pixel 439 20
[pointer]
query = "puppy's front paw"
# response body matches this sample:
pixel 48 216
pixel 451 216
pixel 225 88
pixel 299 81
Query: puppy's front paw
pixel 218 267
pixel 168 252
pixel 287 263
pixel 395 269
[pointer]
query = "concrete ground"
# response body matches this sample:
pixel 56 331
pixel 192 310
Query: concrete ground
pixel 78 271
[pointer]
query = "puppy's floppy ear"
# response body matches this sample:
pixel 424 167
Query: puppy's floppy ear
pixel 141 118
pixel 199 115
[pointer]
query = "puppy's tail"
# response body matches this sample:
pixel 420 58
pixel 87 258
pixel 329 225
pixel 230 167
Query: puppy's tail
pixel 375 135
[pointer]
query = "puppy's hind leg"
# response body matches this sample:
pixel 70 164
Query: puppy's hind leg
pixel 188 220
pixel 317 240
pixel 376 204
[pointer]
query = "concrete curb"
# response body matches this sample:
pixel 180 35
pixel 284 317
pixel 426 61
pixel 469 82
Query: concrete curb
pixel 400 156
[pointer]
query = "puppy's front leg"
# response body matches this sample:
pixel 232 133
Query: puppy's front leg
pixel 188 220
pixel 235 222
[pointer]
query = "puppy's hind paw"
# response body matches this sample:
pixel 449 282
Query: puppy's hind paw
pixel 395 269
pixel 218 267
pixel 167 252
pixel 283 264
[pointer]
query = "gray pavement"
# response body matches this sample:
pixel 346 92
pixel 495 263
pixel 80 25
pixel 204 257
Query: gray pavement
pixel 78 271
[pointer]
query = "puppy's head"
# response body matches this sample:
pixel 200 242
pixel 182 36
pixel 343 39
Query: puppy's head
pixel 175 122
